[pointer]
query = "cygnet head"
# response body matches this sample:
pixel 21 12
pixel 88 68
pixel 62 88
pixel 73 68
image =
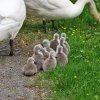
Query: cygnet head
pixel 37 47
pixel 62 40
pixel 30 60
pixel 56 36
pixel 59 49
pixel 46 43
pixel 52 54
pixel 63 35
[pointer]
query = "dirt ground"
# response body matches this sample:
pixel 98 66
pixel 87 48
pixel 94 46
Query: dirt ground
pixel 12 81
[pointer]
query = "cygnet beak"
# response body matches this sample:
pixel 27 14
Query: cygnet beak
pixel 42 44
pixel 35 62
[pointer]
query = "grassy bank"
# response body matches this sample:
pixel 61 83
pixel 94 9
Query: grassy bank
pixel 80 79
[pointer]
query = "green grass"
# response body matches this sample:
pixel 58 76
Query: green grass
pixel 80 79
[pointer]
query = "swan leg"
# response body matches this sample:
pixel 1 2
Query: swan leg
pixel 44 26
pixel 11 48
pixel 8 50
pixel 54 27
pixel 14 51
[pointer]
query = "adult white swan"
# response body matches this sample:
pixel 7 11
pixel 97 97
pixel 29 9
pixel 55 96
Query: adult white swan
pixel 58 9
pixel 12 15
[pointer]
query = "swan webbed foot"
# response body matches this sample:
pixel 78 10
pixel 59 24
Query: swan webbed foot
pixel 8 50
pixel 14 52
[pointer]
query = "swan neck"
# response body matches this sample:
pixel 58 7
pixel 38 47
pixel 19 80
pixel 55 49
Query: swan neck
pixel 79 6
pixel 94 11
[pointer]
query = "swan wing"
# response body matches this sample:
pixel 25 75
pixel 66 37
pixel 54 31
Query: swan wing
pixel 7 24
pixel 59 3
pixel 47 4
pixel 37 4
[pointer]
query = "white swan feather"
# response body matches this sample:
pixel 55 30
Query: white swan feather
pixel 12 15
pixel 55 9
